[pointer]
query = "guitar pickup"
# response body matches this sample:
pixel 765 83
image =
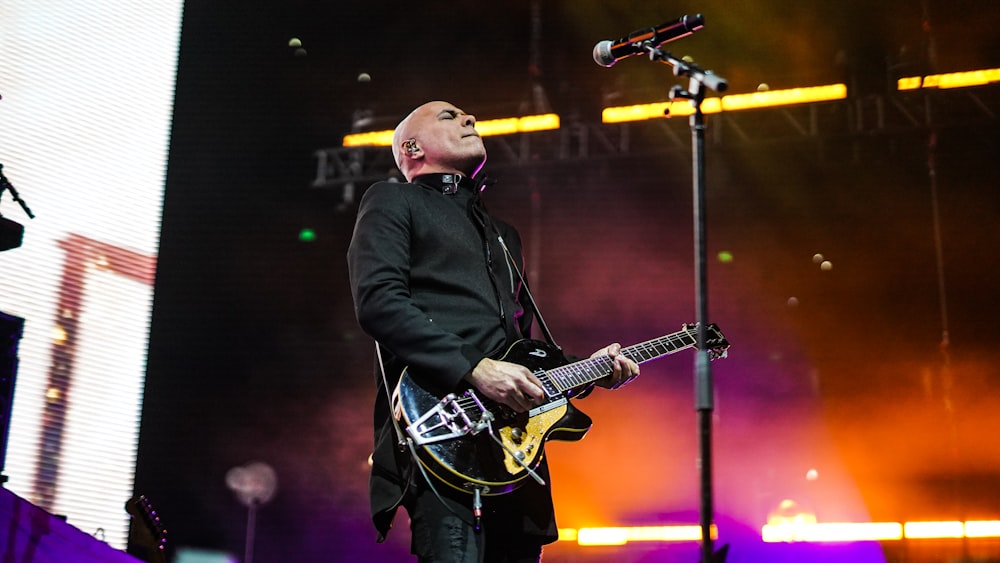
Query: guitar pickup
pixel 449 419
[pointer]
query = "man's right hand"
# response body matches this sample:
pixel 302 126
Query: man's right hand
pixel 508 383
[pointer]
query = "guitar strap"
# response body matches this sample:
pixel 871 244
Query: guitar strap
pixel 512 263
pixel 394 416
pixel 534 306
pixel 531 299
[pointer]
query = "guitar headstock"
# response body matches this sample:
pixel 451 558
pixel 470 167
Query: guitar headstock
pixel 149 532
pixel 715 342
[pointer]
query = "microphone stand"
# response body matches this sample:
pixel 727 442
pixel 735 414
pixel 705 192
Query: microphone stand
pixel 6 185
pixel 11 232
pixel 699 81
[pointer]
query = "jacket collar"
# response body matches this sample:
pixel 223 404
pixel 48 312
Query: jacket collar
pixel 447 183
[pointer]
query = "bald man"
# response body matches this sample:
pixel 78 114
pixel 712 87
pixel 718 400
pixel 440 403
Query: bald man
pixel 436 283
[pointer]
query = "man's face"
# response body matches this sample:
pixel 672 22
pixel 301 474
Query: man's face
pixel 448 138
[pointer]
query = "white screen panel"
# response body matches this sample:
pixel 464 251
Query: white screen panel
pixel 87 93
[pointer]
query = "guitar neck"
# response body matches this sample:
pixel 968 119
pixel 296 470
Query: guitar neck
pixel 584 372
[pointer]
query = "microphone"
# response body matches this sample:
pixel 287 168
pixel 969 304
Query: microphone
pixel 607 53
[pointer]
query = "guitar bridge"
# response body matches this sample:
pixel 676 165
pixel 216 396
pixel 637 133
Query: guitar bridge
pixel 448 420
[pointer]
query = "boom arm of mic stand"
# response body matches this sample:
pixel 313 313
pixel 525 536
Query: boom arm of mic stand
pixel 697 75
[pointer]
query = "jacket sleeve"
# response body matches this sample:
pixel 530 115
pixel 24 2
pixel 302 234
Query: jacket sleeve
pixel 379 269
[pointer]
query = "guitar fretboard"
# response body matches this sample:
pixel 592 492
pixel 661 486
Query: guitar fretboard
pixel 557 381
pixel 578 374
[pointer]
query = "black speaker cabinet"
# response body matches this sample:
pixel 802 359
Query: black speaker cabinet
pixel 11 328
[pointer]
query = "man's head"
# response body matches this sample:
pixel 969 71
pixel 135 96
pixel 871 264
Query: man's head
pixel 438 137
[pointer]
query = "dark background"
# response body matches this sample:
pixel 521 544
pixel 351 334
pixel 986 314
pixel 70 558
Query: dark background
pixel 255 354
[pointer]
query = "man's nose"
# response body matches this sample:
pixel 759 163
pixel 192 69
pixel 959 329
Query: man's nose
pixel 469 120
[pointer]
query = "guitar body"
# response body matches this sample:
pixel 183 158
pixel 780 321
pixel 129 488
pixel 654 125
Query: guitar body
pixel 478 460
pixel 477 445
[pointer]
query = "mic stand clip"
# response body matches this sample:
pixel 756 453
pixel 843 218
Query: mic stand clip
pixel 687 67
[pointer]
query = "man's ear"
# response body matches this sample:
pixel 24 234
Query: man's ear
pixel 411 148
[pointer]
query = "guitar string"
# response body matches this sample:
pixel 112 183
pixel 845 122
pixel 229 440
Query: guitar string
pixel 600 365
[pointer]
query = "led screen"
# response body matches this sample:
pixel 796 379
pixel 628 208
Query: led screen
pixel 87 91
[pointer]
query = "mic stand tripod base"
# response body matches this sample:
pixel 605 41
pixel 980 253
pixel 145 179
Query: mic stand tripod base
pixel 719 556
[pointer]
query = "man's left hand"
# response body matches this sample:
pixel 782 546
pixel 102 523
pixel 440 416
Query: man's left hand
pixel 623 371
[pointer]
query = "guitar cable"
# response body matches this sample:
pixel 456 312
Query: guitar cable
pixel 477 503
pixel 406 443
pixel 477 491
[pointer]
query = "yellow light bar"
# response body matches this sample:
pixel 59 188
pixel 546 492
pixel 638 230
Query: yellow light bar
pixel 784 97
pixel 622 114
pixel 936 530
pixel 526 124
pixel 602 536
pixel 568 534
pixel 623 535
pixel 506 126
pixel 371 139
pixel 790 531
pixel 982 529
pixel 679 108
pixel 832 532
pixel 735 102
pixel 908 83
pixel 950 80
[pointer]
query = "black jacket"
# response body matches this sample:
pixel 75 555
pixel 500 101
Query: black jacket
pixel 433 286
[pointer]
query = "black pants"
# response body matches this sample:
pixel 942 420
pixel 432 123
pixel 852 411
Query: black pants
pixel 514 527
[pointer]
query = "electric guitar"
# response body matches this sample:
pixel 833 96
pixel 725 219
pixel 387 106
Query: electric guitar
pixel 148 532
pixel 479 446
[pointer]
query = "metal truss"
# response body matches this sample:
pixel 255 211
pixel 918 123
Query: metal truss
pixel 850 120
